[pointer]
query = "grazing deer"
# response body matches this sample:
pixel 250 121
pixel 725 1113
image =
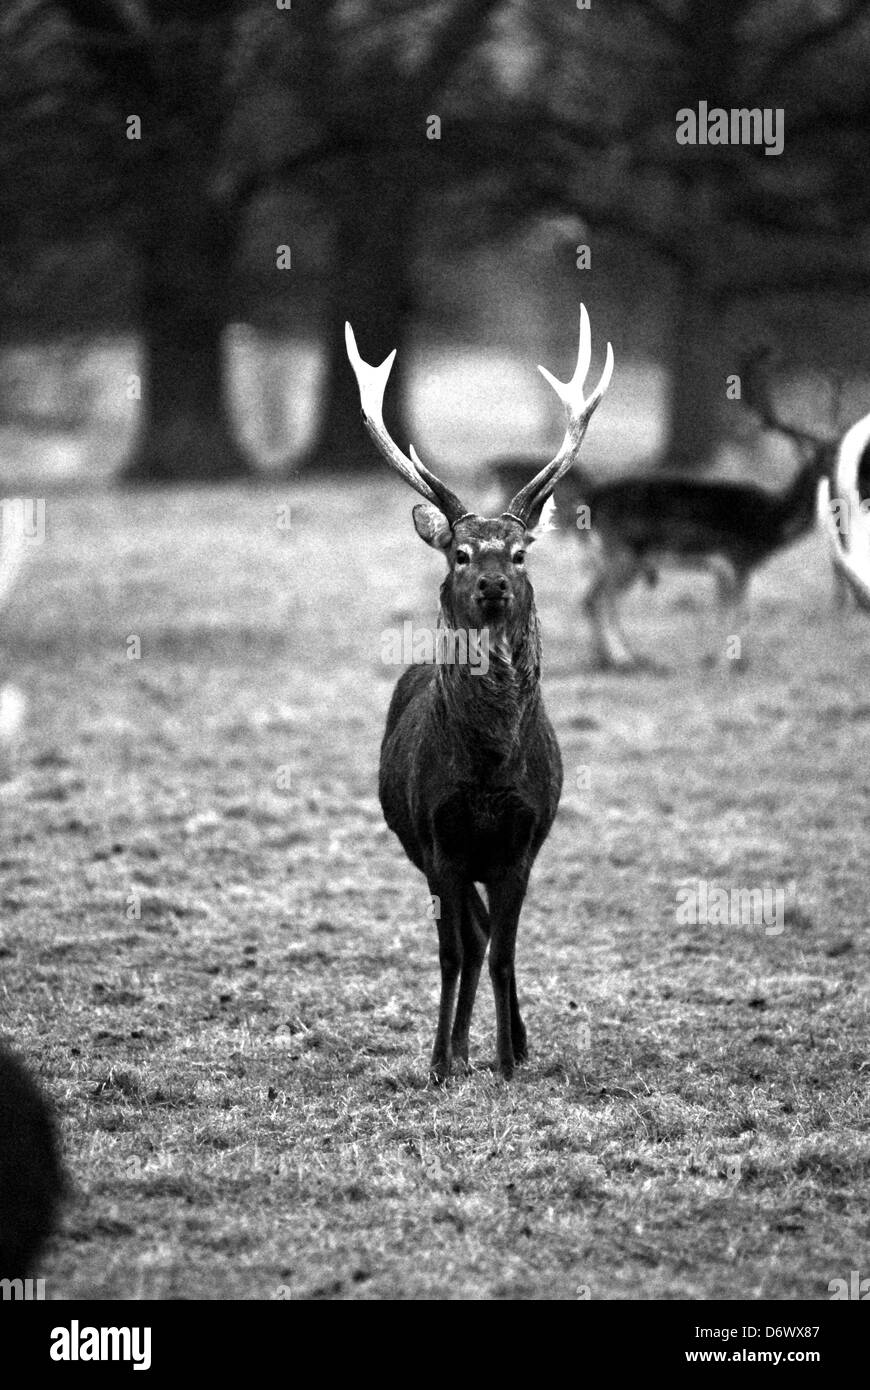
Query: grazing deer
pixel 470 772
pixel 843 513
pixel 643 522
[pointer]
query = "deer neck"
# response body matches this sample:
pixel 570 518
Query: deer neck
pixel 486 703
pixel 797 510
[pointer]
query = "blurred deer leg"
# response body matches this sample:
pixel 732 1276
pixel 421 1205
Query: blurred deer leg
pixel 725 577
pixel 731 587
pixel 624 573
pixel 615 573
pixel 842 592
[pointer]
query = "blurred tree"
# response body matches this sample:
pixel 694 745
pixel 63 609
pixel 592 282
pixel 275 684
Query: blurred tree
pixel 399 127
pixel 234 101
pixel 729 223
pixel 40 175
pixel 161 76
pixel 382 87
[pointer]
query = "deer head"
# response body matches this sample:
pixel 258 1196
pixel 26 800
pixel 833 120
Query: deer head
pixel 487 584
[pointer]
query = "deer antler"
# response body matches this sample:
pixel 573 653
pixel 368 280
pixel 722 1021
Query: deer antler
pixel 579 412
pixel 757 392
pixel 372 382
pixel 850 553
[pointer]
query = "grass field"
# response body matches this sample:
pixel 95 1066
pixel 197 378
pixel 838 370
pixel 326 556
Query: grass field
pixel 218 959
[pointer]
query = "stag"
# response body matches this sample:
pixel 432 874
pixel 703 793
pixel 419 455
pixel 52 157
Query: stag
pixel 842 512
pixel 470 770
pixel 642 523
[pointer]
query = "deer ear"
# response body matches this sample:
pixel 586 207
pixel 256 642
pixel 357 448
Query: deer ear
pixel 432 526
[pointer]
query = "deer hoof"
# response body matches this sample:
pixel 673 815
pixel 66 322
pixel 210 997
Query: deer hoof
pixel 620 666
pixel 605 662
pixel 651 667
pixel 439 1069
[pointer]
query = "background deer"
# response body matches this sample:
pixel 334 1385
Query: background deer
pixel 470 772
pixel 643 522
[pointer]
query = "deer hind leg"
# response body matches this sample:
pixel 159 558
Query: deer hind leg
pixel 474 930
pixel 625 572
pixel 725 578
pixel 615 572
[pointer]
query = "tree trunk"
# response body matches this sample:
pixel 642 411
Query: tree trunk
pixel 371 288
pixel 185 435
pixel 699 363
pixel 696 396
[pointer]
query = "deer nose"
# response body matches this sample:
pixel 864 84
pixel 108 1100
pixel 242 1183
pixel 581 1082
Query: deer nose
pixel 492 586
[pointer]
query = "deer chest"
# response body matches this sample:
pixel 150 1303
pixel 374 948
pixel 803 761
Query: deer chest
pixel 484 828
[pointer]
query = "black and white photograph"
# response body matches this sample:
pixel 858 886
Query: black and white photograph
pixel 435 662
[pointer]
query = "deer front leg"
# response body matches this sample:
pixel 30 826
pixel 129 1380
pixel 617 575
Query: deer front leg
pixel 519 1040
pixel 475 934
pixel 732 588
pixel 505 904
pixel 449 895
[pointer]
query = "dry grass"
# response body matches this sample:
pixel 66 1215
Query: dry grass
pixel 241 1067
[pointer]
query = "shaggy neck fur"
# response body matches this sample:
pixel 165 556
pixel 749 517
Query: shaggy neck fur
pixel 485 712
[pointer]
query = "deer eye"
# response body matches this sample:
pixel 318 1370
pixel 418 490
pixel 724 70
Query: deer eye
pixel 518 557
pixel 463 557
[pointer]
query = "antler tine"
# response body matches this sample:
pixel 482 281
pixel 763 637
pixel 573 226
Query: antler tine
pixel 579 411
pixel 850 554
pixel 446 500
pixel 848 464
pixel 372 383
pixel 842 558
